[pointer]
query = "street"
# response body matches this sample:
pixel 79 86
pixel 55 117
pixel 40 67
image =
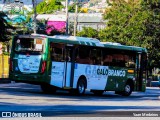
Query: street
pixel 20 97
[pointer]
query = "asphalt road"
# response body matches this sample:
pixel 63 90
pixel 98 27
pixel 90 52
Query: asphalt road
pixel 25 98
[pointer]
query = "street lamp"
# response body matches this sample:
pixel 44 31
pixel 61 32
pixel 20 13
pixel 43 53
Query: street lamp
pixel 34 18
pixel 66 17
pixel 75 19
pixel 76 15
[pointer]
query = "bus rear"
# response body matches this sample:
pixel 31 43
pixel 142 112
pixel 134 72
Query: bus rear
pixel 28 59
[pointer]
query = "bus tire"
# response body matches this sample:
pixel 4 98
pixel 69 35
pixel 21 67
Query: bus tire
pixel 49 89
pixel 97 92
pixel 127 89
pixel 81 87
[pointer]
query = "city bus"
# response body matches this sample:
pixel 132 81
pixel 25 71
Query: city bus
pixel 77 64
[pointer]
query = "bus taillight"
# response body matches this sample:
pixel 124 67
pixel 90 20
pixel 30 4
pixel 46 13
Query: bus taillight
pixel 44 64
pixel 10 65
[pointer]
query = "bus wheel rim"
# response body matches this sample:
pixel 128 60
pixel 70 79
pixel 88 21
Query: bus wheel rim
pixel 127 88
pixel 81 88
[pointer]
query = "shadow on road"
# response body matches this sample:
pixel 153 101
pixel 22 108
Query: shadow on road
pixel 26 97
pixel 76 110
pixel 22 89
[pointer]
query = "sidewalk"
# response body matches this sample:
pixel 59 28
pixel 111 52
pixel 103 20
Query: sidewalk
pixel 154 84
pixel 4 80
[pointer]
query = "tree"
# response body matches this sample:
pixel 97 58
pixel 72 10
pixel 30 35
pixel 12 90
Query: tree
pixel 49 6
pixel 152 31
pixel 5 28
pixel 134 22
pixel 125 23
pixel 88 32
pixel 72 7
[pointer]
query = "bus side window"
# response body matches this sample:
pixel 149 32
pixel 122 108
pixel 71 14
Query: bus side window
pixel 130 61
pixel 107 60
pixel 18 45
pixel 83 55
pixel 120 60
pixel 114 60
pixel 68 55
pixel 57 53
pixel 95 56
pixel 117 60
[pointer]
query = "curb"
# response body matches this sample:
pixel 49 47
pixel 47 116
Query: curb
pixel 4 80
pixel 154 83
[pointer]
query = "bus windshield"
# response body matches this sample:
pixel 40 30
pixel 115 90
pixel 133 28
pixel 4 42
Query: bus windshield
pixel 28 45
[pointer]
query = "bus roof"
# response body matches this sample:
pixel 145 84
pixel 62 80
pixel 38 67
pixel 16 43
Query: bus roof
pixel 123 47
pixel 76 40
pixel 88 42
pixel 94 42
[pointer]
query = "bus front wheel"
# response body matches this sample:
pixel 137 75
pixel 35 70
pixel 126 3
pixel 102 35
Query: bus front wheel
pixel 127 89
pixel 49 89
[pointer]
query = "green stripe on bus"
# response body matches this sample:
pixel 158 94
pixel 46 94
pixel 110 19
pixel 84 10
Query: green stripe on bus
pixel 94 44
pixel 88 43
pixel 82 43
pixel 63 41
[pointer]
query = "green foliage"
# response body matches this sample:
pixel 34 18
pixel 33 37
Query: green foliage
pixel 41 26
pixel 48 7
pixel 72 8
pixel 5 28
pixel 88 32
pixel 152 31
pixel 136 22
pixel 125 23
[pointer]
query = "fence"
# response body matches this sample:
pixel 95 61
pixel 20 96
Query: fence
pixel 4 66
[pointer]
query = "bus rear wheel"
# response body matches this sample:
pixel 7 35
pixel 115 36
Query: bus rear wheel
pixel 81 87
pixel 127 89
pixel 49 89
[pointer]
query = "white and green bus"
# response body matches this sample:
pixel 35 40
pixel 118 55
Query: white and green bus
pixel 77 64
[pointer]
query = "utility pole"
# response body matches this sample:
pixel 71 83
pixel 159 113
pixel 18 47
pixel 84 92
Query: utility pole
pixel 66 17
pixel 75 19
pixel 34 18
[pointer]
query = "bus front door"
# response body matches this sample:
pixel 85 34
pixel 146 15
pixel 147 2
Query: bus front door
pixel 141 72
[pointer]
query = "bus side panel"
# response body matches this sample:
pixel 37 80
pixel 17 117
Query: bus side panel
pixel 102 77
pixel 67 81
pixel 95 75
pixel 57 74
pixel 141 72
pixel 117 78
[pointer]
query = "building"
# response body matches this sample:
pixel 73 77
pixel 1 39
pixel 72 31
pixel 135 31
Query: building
pixel 93 20
pixel 54 22
pixel 57 21
pixel 27 4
